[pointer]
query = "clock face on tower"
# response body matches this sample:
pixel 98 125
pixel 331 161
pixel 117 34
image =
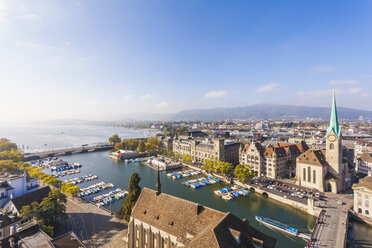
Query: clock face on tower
pixel 332 138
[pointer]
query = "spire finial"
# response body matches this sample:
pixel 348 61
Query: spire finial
pixel 158 185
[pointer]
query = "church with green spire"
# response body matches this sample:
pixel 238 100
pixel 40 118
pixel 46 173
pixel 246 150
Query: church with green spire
pixel 324 169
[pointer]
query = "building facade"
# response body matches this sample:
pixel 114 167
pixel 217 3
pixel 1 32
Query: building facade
pixel 363 197
pixel 363 165
pixel 16 185
pixel 200 150
pixel 274 161
pixel 324 170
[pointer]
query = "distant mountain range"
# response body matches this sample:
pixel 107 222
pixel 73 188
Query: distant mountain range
pixel 267 111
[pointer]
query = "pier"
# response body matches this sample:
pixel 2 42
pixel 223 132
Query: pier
pixel 66 151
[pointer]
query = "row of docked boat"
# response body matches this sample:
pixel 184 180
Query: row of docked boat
pixel 135 160
pixel 230 193
pixel 65 167
pixel 94 189
pixel 111 196
pixel 66 173
pixel 201 182
pixel 82 179
pixel 183 174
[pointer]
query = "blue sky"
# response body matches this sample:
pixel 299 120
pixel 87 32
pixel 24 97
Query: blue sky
pixel 102 60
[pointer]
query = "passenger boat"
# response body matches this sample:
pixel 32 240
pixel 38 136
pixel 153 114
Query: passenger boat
pixel 277 225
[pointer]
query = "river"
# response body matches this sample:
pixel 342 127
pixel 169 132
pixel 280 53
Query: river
pixel 248 207
pixel 45 137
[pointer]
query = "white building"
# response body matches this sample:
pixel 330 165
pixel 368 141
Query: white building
pixel 363 164
pixel 16 185
pixel 363 197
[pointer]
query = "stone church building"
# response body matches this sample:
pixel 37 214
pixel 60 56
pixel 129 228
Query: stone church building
pixel 324 170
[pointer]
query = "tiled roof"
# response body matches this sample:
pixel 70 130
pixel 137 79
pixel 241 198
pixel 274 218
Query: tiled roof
pixel 365 182
pixel 278 151
pixel 313 157
pixel 33 196
pixel 366 157
pixel 68 240
pixel 194 225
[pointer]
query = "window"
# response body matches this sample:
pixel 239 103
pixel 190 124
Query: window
pixel 359 210
pixel 366 204
pixel 314 176
pixel 359 195
pixel 309 174
pixel 366 196
pixel 359 202
pixel 331 146
pixel 304 176
pixel 367 212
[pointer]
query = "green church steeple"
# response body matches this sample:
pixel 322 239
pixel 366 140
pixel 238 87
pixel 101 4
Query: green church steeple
pixel 333 122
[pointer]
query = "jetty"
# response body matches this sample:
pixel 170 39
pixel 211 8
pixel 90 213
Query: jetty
pixel 110 197
pixel 66 173
pixel 82 179
pixel 183 174
pixel 95 188
pixel 202 182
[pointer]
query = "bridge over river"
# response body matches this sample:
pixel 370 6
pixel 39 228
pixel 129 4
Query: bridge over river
pixel 66 151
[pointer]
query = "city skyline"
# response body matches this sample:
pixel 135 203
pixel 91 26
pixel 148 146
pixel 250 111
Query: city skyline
pixel 104 60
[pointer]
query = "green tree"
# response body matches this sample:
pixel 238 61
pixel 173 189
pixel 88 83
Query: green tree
pixel 170 153
pixel 225 168
pixel 186 158
pixel 70 189
pixel 13 154
pixel 30 211
pixel 244 173
pixel 152 145
pixel 53 206
pixel 114 139
pixel 134 190
pixel 141 147
pixel 6 145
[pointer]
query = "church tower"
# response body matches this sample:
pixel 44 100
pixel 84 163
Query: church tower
pixel 334 141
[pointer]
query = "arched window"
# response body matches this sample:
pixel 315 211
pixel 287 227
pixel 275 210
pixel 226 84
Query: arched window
pixel 309 174
pixel 331 146
pixel 304 177
pixel 314 176
pixel 367 212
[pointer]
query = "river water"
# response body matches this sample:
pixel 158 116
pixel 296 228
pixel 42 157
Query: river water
pixel 248 207
pixel 45 137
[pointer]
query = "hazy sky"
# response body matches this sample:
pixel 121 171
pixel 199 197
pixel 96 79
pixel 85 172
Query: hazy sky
pixel 103 59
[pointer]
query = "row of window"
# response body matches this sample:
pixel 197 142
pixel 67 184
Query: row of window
pixel 309 175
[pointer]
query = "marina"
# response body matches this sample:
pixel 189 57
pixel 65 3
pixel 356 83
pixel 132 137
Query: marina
pixel 201 182
pixel 82 179
pixel 183 174
pixel 94 189
pixel 108 198
pixel 66 173
pixel 247 207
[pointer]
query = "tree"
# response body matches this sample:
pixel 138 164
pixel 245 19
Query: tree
pixel 170 153
pixel 186 158
pixel 70 189
pixel 225 168
pixel 13 154
pixel 53 206
pixel 134 190
pixel 152 145
pixel 141 147
pixel 244 173
pixel 114 139
pixel 6 145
